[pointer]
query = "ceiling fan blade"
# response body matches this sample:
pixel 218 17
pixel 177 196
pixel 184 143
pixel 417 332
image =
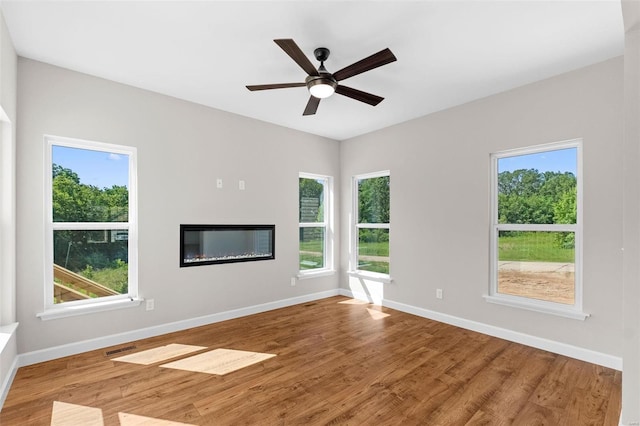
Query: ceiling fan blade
pixel 312 106
pixel 274 86
pixel 359 95
pixel 376 60
pixel 292 49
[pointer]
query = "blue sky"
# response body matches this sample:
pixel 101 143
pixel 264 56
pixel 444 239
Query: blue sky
pixel 561 160
pixel 103 169
pixel 97 168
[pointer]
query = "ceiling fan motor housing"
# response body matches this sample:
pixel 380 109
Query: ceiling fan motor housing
pixel 321 54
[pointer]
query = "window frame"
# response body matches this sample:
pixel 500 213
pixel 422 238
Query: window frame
pixel 356 226
pixel 570 311
pixel 130 299
pixel 7 226
pixel 327 224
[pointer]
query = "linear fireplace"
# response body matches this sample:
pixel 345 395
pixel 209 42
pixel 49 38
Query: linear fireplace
pixel 213 244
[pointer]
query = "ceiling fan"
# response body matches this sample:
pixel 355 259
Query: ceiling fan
pixel 321 83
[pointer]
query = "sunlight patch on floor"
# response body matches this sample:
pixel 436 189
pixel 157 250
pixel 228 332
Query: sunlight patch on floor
pixel 135 420
pixel 160 354
pixel 353 302
pixel 219 361
pixel 377 314
pixel 65 414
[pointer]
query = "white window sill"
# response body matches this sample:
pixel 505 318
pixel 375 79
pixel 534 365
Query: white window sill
pixel 70 311
pixel 315 274
pixel 374 276
pixel 567 313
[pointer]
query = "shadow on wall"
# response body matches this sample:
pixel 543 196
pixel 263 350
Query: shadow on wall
pixel 366 289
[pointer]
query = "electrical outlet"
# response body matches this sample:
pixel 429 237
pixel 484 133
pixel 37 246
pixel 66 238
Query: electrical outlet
pixel 150 304
pixel 241 185
pixel 219 183
pixel 293 281
pixel 438 293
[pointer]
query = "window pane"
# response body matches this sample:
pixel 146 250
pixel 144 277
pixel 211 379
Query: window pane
pixel 312 248
pixel 538 188
pixel 373 250
pixel 89 264
pixel 89 186
pixel 539 265
pixel 373 200
pixel 311 200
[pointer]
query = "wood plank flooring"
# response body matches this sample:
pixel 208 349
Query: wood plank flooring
pixel 337 362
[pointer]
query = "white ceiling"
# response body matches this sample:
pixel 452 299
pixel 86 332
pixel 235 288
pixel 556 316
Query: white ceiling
pixel 449 52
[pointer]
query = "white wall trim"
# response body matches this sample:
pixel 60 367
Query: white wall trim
pixel 8 380
pixel 536 306
pixel 560 348
pixel 8 338
pixel 48 354
pixel 96 306
pixel 315 273
pixel 117 339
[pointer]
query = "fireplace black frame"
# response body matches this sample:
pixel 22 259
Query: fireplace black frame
pixel 184 262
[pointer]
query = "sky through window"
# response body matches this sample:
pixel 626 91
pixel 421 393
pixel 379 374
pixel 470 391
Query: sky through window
pixel 561 160
pixel 97 168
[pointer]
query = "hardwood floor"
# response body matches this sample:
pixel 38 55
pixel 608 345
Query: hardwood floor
pixel 338 362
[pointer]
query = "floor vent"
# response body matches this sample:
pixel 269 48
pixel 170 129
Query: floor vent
pixel 117 351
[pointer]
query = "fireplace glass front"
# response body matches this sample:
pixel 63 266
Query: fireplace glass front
pixel 212 244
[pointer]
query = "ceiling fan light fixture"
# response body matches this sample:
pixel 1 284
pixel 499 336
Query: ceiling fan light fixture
pixel 321 87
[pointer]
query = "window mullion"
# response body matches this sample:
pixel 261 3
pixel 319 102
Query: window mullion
pixel 552 227
pixel 72 226
pixel 313 224
pixel 372 225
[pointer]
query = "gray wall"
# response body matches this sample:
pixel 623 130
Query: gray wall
pixel 182 149
pixel 440 173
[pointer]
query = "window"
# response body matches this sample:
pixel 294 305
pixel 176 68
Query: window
pixel 371 230
pixel 91 224
pixel 536 230
pixel 314 224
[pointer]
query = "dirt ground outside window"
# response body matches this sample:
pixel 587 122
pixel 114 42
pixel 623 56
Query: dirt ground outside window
pixel 548 281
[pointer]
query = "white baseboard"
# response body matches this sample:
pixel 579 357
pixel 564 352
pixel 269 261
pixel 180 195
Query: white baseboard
pixel 6 385
pixel 583 354
pixel 565 349
pixel 8 348
pixel 117 339
pixel 356 295
pixel 560 348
